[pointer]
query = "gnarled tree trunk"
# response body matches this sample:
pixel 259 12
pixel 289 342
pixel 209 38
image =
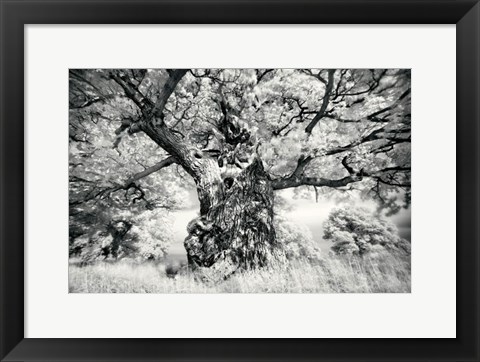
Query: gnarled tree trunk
pixel 235 229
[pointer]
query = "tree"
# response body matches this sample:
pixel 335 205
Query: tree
pixel 238 135
pixel 358 231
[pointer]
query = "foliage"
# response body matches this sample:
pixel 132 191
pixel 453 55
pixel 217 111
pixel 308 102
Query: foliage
pixel 323 125
pixel 117 234
pixel 358 231
pixel 152 232
pixel 296 239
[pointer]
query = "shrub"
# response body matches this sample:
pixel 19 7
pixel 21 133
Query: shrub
pixel 296 239
pixel 358 231
pixel 145 236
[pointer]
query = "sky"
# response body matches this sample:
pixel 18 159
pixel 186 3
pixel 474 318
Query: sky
pixel 307 211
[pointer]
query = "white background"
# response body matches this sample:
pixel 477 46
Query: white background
pixel 429 311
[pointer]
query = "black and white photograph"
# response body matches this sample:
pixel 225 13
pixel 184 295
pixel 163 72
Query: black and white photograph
pixel 239 180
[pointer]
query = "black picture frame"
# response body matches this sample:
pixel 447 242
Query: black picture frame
pixel 15 14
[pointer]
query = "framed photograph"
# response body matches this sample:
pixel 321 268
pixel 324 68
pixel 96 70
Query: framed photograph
pixel 239 180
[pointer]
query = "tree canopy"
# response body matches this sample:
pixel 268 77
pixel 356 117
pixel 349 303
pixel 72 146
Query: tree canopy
pixel 332 128
pixel 135 134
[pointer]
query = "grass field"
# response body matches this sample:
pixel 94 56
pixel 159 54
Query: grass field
pixel 387 274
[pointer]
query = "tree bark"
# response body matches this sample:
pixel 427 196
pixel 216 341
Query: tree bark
pixel 235 228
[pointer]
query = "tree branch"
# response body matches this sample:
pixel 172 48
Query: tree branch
pixel 260 75
pixel 349 169
pixel 152 122
pixel 130 182
pixel 131 91
pixel 87 103
pixel 148 171
pixel 378 134
pixel 324 106
pixel 373 117
pixel 297 178
pixel 302 163
pixel 289 182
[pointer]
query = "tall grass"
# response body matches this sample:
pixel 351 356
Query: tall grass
pixel 386 274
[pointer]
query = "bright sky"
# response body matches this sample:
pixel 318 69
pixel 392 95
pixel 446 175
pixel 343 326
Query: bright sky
pixel 304 211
